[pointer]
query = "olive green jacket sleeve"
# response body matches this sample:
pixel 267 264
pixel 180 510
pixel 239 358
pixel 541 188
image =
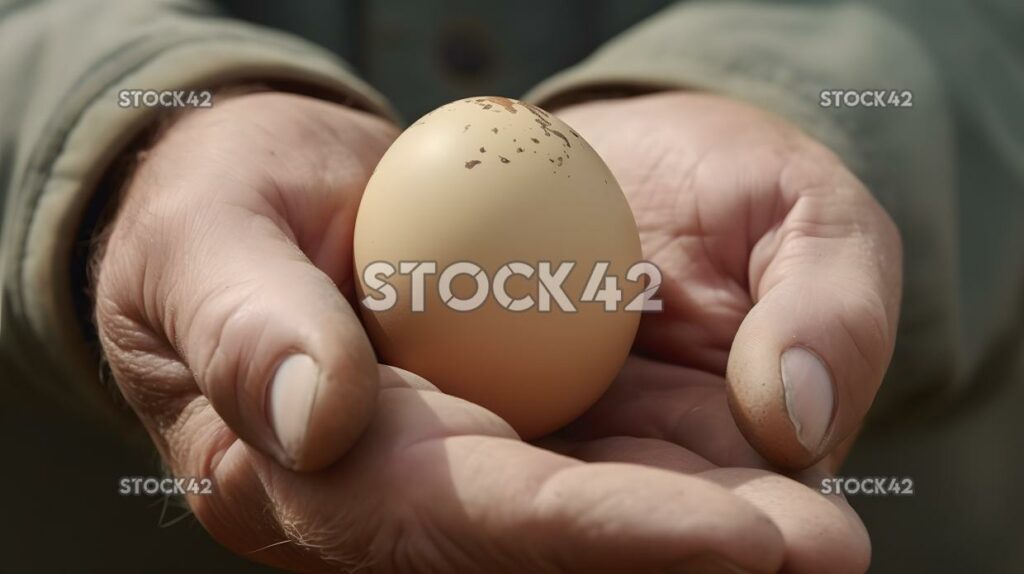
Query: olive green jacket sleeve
pixel 781 58
pixel 62 67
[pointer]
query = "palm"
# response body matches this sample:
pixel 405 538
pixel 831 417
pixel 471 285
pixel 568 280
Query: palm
pixel 433 463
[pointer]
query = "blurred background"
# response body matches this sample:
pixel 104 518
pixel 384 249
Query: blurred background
pixel 424 54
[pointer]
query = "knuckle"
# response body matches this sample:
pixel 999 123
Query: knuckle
pixel 150 378
pixel 219 328
pixel 143 363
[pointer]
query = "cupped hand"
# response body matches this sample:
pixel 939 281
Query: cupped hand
pixel 223 304
pixel 781 281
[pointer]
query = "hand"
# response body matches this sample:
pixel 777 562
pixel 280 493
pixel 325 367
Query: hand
pixel 781 288
pixel 223 303
pixel 781 277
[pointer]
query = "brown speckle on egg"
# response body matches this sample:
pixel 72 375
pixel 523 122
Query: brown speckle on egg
pixel 472 163
pixel 545 124
pixel 508 104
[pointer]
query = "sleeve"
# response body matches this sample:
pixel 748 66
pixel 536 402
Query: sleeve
pixel 61 126
pixel 782 57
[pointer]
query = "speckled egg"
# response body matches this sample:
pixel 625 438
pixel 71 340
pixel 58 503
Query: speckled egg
pixel 507 188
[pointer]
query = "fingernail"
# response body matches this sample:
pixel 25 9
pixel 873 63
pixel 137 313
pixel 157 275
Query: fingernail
pixel 292 394
pixel 809 395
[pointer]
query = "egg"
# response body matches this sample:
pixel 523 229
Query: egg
pixel 492 248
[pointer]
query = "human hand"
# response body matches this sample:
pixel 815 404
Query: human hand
pixel 781 280
pixel 766 244
pixel 224 306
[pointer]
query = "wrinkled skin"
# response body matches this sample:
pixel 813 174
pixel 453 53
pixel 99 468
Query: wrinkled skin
pixel 231 250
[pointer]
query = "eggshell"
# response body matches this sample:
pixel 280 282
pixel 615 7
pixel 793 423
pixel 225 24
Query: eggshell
pixel 491 180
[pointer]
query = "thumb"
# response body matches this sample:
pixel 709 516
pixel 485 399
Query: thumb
pixel 272 343
pixel 810 355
